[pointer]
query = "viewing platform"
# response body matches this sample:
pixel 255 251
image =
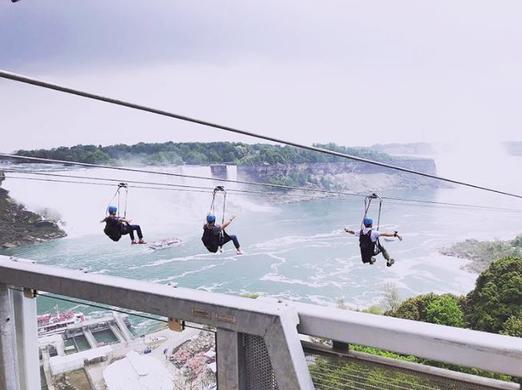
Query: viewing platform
pixel 259 344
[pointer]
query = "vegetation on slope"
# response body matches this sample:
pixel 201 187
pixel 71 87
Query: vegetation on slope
pixel 482 253
pixel 494 305
pixel 199 153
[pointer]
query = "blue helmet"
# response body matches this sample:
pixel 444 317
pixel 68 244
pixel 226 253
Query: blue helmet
pixel 211 218
pixel 112 209
pixel 368 222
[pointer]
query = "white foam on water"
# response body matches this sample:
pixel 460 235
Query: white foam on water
pixel 212 287
pixel 315 263
pixel 186 273
pixel 81 207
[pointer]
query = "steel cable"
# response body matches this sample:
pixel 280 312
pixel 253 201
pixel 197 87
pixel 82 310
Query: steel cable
pixel 119 102
pixel 329 192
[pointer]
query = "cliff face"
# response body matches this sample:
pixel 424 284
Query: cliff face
pixel 19 226
pixel 345 175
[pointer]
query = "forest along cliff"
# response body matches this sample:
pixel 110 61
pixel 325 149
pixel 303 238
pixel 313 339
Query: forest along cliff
pixel 274 164
pixel 349 175
pixel 19 226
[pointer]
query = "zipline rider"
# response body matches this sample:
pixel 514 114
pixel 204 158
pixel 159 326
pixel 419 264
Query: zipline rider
pixel 214 236
pixel 369 242
pixel 115 227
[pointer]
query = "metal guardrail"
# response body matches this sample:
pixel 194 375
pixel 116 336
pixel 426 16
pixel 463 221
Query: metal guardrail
pixel 361 371
pixel 465 347
pixel 243 323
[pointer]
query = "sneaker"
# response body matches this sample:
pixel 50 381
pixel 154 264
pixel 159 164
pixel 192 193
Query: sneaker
pixel 390 262
pixel 141 242
pixel 239 252
pixel 134 242
pixel 373 260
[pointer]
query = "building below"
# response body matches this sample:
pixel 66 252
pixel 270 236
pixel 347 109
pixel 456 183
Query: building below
pixel 103 353
pixel 137 372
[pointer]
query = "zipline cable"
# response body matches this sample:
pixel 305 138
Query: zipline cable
pixel 169 188
pixel 142 182
pixel 60 88
pixel 109 185
pixel 127 169
pixel 337 193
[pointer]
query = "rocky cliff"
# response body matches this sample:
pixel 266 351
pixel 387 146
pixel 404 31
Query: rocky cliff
pixel 19 226
pixel 348 175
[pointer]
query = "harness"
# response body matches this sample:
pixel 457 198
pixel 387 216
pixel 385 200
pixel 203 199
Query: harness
pixel 214 242
pixel 367 246
pixel 115 229
pixel 121 195
pixel 212 204
pixel 367 203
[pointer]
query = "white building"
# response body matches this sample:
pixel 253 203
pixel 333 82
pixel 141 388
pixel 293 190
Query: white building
pixel 138 372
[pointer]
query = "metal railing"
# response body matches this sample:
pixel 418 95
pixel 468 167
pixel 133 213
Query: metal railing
pixel 258 341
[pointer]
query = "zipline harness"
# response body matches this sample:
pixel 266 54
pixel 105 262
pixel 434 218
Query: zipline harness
pixel 367 204
pixel 213 242
pixel 121 196
pixel 212 205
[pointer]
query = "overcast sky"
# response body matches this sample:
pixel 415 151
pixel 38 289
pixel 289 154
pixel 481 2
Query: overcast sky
pixel 351 72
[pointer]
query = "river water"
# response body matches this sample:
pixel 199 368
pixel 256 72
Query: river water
pixel 292 250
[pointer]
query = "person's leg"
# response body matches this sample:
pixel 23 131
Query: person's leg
pixel 131 233
pixel 385 254
pixel 381 249
pixel 233 238
pixel 125 229
pixel 138 231
pixel 224 239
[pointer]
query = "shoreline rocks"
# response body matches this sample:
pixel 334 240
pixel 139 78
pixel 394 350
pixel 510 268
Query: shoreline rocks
pixel 483 253
pixel 20 226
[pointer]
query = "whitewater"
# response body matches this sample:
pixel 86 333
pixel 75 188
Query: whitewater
pixel 295 250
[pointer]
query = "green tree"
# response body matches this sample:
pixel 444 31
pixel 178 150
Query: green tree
pixel 445 310
pixel 497 296
pixel 512 327
pixel 414 308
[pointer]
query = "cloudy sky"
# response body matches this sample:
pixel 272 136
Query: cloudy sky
pixel 351 72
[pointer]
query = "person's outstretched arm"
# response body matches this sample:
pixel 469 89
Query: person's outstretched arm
pixel 349 231
pixel 225 225
pixel 391 234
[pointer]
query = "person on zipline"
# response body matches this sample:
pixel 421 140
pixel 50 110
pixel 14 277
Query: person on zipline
pixel 214 236
pixel 369 242
pixel 115 227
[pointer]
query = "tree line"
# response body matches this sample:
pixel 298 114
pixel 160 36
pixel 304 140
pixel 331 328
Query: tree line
pixel 200 153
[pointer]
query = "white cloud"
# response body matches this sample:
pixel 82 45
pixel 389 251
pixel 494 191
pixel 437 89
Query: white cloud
pixel 351 72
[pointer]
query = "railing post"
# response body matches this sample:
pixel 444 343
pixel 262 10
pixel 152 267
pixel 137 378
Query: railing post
pixel 27 338
pixel 229 360
pixel 8 362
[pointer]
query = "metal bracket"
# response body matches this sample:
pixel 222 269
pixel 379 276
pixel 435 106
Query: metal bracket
pixel 30 292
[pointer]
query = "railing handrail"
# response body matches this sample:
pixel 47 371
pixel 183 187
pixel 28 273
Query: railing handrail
pixel 465 347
